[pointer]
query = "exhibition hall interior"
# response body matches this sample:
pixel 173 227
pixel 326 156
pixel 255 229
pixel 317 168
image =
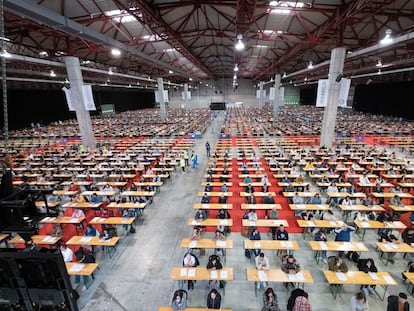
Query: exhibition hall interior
pixel 194 155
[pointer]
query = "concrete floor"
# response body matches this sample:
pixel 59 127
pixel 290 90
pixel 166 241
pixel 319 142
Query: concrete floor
pixel 137 277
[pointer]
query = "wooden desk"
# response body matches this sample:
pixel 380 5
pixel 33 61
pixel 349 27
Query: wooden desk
pixel 212 206
pixel 99 193
pixel 373 224
pixel 393 248
pixel 319 246
pixel 404 208
pixel 62 220
pixel 271 245
pixel 265 223
pixel 82 205
pixel 410 278
pixel 215 194
pixel 309 207
pixel 109 245
pixel 260 206
pixel 277 275
pixel 217 183
pixel 206 243
pixel 3 238
pixel 342 195
pixel 84 269
pixel 211 222
pixel 347 209
pixel 64 192
pixel 257 194
pixel 300 194
pixel 200 274
pixel 335 279
pixel 38 240
pixel 112 221
pixel 189 309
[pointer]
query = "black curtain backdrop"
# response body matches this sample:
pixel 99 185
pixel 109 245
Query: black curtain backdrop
pixel 45 106
pixel 308 94
pixel 392 99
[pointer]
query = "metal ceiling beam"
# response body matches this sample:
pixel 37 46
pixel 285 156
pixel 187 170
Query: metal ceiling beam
pixel 344 15
pixel 64 24
pixel 152 19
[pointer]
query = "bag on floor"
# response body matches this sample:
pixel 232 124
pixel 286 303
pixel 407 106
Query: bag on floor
pixel 353 256
pixel 247 253
pixel 131 229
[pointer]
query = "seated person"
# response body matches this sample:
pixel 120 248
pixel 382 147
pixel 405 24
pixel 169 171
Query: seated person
pixel 208 188
pixel 78 213
pixel 262 263
pixel 316 199
pixel 269 199
pixel 222 199
pixel 200 215
pixel 223 214
pixel 205 199
pixel 252 216
pixel 250 199
pixel 224 188
pixel 290 266
pixel 95 198
pixel 179 301
pixel 213 299
pixel 337 264
pixel 247 180
pixel 219 236
pixel 255 236
pixel 190 260
pixel 367 265
pixel 249 189
pixel 270 301
pixel 57 231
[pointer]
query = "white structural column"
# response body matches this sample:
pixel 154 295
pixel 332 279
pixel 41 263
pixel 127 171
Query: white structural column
pixel 329 117
pixel 76 85
pixel 162 100
pixel 276 100
pixel 186 96
pixel 261 97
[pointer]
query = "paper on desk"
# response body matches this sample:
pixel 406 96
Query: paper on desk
pixel 373 276
pixel 292 277
pixel 262 276
pixel 341 276
pixel 332 222
pixel 365 224
pixel 302 206
pixel 397 223
pixel 193 244
pixel 320 206
pixel 77 267
pixel 277 222
pixel 394 246
pixel 191 272
pixel 388 279
pixel 73 220
pixel 85 239
pixel 257 244
pixel 220 243
pixel 205 206
pixel 348 245
pixel 48 239
pixel 223 274
pixel 195 222
pixel 252 223
pixel 387 246
pixel 311 224
pixel 183 271
pixel 299 276
pixel 286 243
pixel 360 245
pixel 323 245
pixel 213 274
pixel 223 222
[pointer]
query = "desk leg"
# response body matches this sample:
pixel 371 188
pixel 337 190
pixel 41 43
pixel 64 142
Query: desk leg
pixel 385 287
pixel 181 284
pixel 317 257
pixel 386 260
pixel 255 288
pixel 334 288
pixel 361 237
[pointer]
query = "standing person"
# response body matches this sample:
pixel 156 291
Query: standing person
pixel 343 234
pixel 208 149
pixel 398 303
pixel 182 165
pixel 194 159
pixel 213 299
pixel 359 302
pixel 270 300
pixel 186 157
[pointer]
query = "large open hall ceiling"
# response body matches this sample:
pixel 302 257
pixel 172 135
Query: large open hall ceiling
pixel 193 41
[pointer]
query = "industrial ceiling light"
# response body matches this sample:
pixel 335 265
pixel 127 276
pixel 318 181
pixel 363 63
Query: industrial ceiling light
pixel 236 68
pixel 310 66
pixel 379 63
pixel 170 71
pixel 116 52
pixel 110 72
pixel 52 74
pixel 239 45
pixel 387 39
pixel 235 77
pixel 5 54
pixel 284 74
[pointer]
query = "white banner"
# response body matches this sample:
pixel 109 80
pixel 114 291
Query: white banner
pixel 322 93
pixel 261 94
pixel 188 95
pixel 88 97
pixel 272 93
pixel 343 93
pixel 69 98
pixel 158 98
pixel 281 96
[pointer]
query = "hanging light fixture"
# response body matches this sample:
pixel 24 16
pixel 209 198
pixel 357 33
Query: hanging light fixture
pixel 239 44
pixel 52 74
pixel 235 77
pixel 379 63
pixel 387 39
pixel 115 52
pixel 310 66
pixel 236 68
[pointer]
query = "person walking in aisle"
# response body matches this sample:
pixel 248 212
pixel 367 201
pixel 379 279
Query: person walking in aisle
pixel 208 149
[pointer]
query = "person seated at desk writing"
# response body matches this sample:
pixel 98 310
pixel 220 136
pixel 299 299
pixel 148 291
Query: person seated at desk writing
pixel 73 187
pixel 252 216
pixel 347 201
pixel 78 213
pixel 250 199
pixel 224 188
pixel 214 263
pixel 255 236
pixel 343 234
pixel 388 237
pixel 268 199
pixel 408 237
pixel 270 301
pixel 179 301
pixel 219 236
pixel 297 199
pixel 223 214
pixel 247 180
pixel 282 235
pixel 316 199
pixel 67 253
pixel 208 188
pixel 367 265
pixel 201 215
pixel 398 303
pixel 334 189
pixel 205 199
pixel 262 263
pixel 265 182
pixel 364 180
pixel 359 302
pixel 57 231
pixel 224 174
pixel 222 199
pixel 190 260
pixel 337 264
pixel 290 266
pixel 213 299
pixel 209 178
pixel 96 198
pixel 249 189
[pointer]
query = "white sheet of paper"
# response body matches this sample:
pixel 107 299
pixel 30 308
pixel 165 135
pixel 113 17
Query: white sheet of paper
pixel 191 272
pixel 213 274
pixel 373 276
pixel 193 244
pixel 257 244
pixel 341 276
pixel 387 246
pixel 365 224
pixel 262 276
pixel 77 267
pixel 292 277
pixel 206 206
pixel 221 243
pixel 388 279
pixel 299 276
pixel 323 245
pixel 302 206
pixel 223 222
pixel 183 272
pixel 224 274
pixel 311 224
pixel 252 223
pixel 85 239
pixel 194 222
pixel 360 246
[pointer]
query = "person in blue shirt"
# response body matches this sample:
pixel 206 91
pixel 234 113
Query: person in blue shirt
pixel 316 199
pixel 343 234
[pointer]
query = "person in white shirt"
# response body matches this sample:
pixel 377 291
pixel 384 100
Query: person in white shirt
pixel 364 180
pixel 262 263
pixel 347 201
pixel 67 253
pixel 252 215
